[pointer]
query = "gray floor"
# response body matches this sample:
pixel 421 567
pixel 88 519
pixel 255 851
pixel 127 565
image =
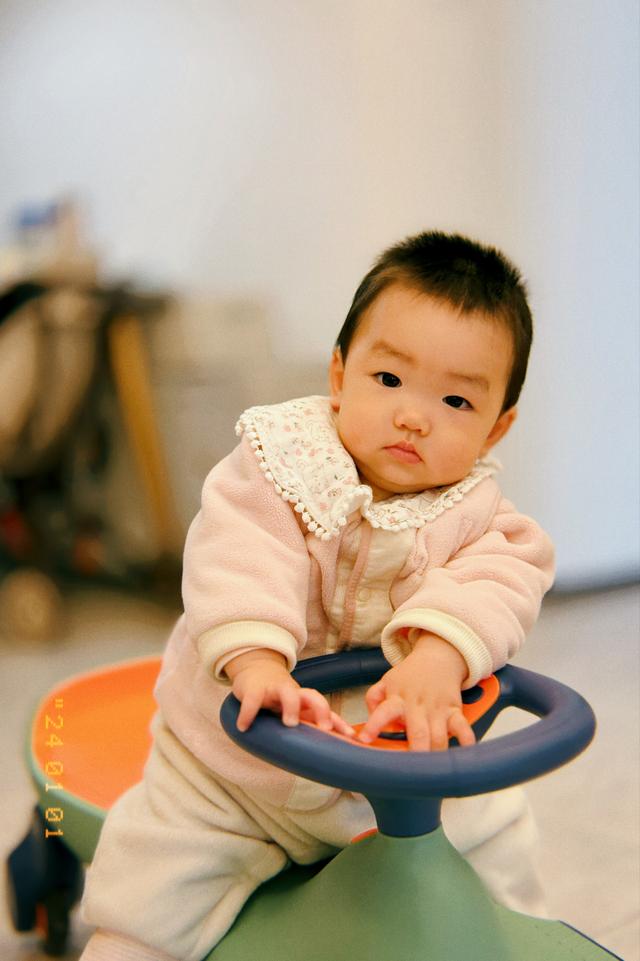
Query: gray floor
pixel 587 812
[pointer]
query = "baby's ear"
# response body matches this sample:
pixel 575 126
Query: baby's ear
pixel 499 429
pixel 336 378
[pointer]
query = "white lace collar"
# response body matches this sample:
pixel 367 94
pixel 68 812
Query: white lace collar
pixel 298 448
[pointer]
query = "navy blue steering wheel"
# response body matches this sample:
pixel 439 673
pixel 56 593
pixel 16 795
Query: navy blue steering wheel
pixel 394 780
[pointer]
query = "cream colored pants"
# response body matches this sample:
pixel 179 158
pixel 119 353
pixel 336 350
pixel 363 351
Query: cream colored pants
pixel 181 852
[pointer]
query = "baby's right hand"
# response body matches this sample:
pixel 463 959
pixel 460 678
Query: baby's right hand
pixel 261 679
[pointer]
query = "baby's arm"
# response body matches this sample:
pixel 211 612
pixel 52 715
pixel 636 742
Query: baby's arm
pixel 246 568
pixel 245 584
pixel 424 691
pixel 466 619
pixel 261 679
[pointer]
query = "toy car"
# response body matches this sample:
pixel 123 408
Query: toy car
pixel 402 892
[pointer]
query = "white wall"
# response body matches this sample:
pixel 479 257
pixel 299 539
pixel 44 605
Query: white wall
pixel 573 184
pixel 268 149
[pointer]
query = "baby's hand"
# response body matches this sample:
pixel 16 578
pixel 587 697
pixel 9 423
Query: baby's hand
pixel 424 692
pixel 261 679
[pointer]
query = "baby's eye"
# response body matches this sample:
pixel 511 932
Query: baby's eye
pixel 387 379
pixel 458 402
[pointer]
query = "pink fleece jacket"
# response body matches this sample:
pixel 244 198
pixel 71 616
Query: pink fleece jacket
pixel 260 570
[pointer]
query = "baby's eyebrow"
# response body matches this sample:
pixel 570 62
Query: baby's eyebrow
pixel 383 347
pixel 477 380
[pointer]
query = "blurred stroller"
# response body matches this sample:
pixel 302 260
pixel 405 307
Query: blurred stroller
pixel 64 347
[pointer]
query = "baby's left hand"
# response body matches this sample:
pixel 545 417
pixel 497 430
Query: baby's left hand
pixel 424 692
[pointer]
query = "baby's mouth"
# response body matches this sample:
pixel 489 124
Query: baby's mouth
pixel 404 452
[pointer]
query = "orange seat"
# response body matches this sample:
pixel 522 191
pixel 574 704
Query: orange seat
pixel 90 735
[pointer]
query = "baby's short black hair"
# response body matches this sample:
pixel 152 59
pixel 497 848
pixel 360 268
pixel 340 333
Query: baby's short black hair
pixel 461 272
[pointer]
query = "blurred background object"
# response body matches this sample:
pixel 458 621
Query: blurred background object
pixel 69 346
pixel 108 423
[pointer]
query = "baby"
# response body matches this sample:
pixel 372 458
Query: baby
pixel 370 517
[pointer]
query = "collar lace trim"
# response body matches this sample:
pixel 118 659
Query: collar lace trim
pixel 299 451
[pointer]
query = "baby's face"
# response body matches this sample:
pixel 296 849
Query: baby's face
pixel 419 396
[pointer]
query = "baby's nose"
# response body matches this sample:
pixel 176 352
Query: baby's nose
pixel 410 418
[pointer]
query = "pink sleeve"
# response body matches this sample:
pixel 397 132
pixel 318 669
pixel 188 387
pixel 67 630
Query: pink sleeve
pixel 246 566
pixel 485 598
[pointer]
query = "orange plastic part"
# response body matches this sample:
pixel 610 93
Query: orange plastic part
pixel 91 734
pixel 364 834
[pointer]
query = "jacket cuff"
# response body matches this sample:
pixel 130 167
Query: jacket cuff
pixel 220 644
pixel 397 640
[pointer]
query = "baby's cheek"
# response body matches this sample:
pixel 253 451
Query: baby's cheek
pixel 453 461
pixel 353 440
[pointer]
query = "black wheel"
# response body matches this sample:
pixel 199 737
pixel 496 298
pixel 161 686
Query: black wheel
pixel 43 884
pixel 25 879
pixel 53 921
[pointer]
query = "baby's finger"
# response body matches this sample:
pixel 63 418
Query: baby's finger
pixel 318 706
pixel 439 733
pixel 290 704
pixel 419 734
pixel 335 722
pixel 341 726
pixel 389 710
pixel 460 728
pixel 249 707
pixel 375 695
